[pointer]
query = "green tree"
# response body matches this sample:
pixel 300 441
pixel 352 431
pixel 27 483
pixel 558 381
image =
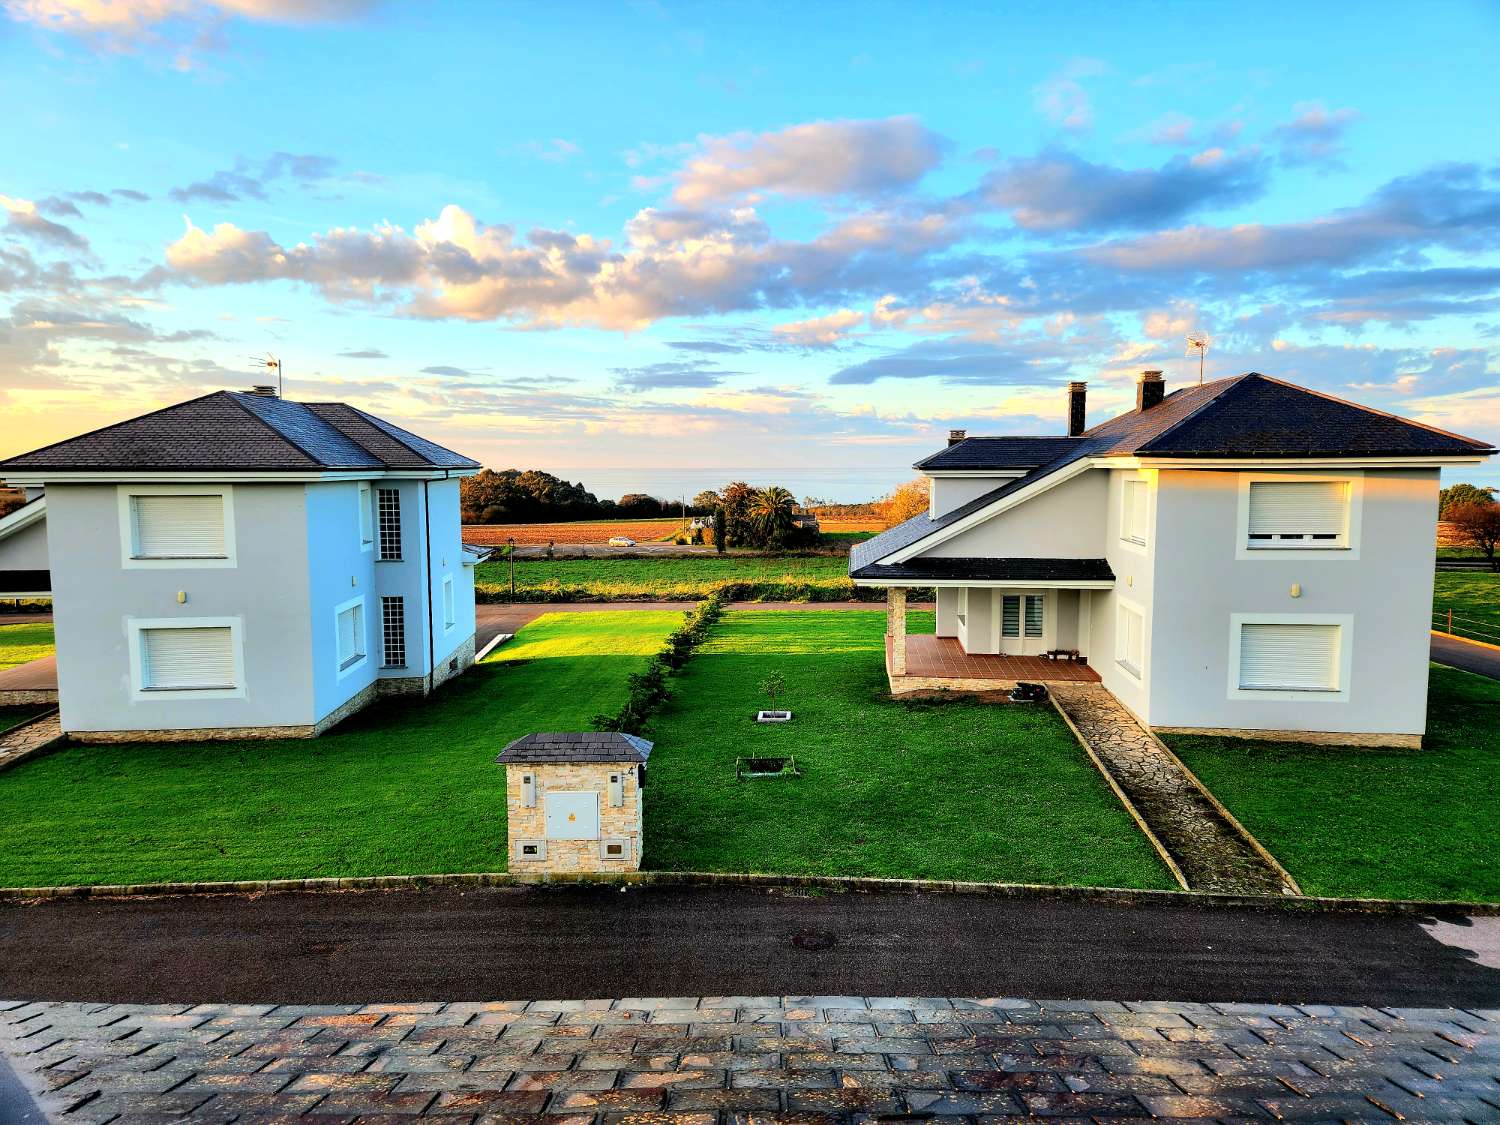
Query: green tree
pixel 706 501
pixel 1479 524
pixel 720 530
pixel 1463 493
pixel 734 502
pixel 771 511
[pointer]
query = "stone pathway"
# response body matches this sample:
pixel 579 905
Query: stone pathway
pixel 742 1059
pixel 28 739
pixel 1211 852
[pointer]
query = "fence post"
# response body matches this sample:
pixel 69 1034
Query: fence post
pixel 1450 619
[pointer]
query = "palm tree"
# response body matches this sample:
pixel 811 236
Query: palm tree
pixel 772 510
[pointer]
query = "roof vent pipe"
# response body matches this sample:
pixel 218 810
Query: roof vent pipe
pixel 1149 390
pixel 1077 410
pixel 956 436
pixel 264 390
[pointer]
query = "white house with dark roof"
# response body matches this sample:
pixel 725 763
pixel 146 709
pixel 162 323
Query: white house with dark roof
pixel 1242 556
pixel 240 565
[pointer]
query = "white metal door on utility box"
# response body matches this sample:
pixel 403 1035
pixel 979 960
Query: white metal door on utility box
pixel 572 816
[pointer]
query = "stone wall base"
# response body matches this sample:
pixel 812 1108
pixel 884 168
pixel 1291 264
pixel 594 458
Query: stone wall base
pixel 905 685
pixel 456 663
pixel 27 697
pixel 1311 737
pixel 194 734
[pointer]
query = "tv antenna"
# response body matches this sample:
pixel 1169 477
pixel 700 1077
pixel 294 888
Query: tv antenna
pixel 270 363
pixel 1198 344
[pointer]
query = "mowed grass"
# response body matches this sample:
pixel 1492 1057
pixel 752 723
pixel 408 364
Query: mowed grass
pixel 15 716
pixel 404 787
pixel 1474 597
pixel 30 640
pixel 944 790
pixel 762 577
pixel 1376 823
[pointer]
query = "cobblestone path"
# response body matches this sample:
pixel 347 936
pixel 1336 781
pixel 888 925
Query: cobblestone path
pixel 748 1059
pixel 1212 853
pixel 21 742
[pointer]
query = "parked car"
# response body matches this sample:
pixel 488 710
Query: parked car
pixel 621 541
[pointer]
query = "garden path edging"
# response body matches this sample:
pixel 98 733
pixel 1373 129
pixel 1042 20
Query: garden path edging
pixel 751 880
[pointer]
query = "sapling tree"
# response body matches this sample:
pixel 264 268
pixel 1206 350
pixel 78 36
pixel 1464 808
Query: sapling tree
pixel 774 685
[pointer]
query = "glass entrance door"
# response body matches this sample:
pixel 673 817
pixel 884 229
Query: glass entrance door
pixel 1023 624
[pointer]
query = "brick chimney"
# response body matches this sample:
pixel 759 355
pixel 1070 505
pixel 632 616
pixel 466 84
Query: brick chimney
pixel 1149 390
pixel 1077 399
pixel 956 436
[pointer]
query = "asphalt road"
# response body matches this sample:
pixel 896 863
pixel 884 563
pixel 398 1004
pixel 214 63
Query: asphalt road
pixel 1458 653
pixel 573 943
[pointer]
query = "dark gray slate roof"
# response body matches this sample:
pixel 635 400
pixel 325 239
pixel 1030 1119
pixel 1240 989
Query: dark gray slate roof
pixel 998 453
pixel 583 746
pixel 1248 415
pixel 992 570
pixel 228 431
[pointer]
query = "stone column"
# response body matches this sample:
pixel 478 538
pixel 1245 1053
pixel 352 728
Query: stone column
pixel 895 627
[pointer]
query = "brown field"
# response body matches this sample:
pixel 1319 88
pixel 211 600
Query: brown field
pixel 598 531
pixel 585 531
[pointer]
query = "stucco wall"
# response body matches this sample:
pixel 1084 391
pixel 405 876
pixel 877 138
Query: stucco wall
pixel 447 561
pixel 25 549
pixel 1133 568
pixel 1062 522
pixel 1386 585
pixel 95 597
pixel 947 493
pixel 403 577
pixel 947 611
pixel 339 569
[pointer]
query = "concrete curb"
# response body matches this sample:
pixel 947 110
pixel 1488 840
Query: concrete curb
pixel 750 880
pixel 9 761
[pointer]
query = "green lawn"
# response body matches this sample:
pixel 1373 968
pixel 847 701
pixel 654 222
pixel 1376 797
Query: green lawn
pixel 1474 597
pixel 13 716
pixel 1379 823
pixel 404 787
pixel 762 577
pixel 21 643
pixel 946 790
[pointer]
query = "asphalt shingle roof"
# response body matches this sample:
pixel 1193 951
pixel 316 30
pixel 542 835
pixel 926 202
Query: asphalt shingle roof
pixel 581 746
pixel 1248 415
pixel 998 453
pixel 993 570
pixel 229 431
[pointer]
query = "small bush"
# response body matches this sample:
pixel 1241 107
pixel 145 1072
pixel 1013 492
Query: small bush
pixel 648 690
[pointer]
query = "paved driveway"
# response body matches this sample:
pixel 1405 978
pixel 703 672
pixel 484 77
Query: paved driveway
pixel 602 941
pixel 1471 657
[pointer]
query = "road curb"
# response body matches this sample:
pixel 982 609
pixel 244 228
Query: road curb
pixel 753 881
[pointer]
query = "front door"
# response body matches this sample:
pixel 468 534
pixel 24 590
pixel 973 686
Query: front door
pixel 1023 624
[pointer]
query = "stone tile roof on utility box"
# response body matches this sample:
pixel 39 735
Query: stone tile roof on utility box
pixel 578 746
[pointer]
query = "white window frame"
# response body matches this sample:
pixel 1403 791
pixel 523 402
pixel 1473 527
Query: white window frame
pixel 128 559
pixel 139 692
pixel 450 604
pixel 1127 531
pixel 364 648
pixel 1123 607
pixel 365 498
pixel 1345 622
pixel 1353 518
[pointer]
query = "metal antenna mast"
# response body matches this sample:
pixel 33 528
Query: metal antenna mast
pixel 1198 344
pixel 271 363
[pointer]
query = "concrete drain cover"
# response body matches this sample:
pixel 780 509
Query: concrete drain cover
pixel 814 940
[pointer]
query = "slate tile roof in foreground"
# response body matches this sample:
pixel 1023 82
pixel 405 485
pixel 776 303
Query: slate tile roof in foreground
pixel 580 746
pixel 1248 415
pixel 232 431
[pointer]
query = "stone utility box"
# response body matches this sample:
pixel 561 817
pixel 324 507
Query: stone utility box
pixel 573 801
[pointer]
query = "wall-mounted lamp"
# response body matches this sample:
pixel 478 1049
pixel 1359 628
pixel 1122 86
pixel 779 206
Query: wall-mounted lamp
pixel 182 597
pixel 1296 590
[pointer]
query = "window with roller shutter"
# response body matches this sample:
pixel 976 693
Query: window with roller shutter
pixel 1307 513
pixel 1289 657
pixel 187 659
pixel 178 527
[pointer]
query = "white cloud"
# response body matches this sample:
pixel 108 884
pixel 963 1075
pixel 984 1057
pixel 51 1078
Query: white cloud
pixel 822 158
pixel 1062 100
pixel 820 331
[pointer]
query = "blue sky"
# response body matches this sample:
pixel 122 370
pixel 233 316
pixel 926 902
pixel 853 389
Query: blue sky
pixel 795 237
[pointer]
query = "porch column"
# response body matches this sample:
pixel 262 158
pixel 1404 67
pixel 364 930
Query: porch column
pixel 895 627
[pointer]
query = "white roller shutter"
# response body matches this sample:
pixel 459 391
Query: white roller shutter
pixel 1298 511
pixel 187 658
pixel 178 527
pixel 1289 657
pixel 1134 515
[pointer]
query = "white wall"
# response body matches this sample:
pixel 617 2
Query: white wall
pixel 947 611
pixel 1062 522
pixel 1386 585
pixel 95 597
pixel 339 569
pixel 1134 568
pixel 947 493
pixel 25 549
pixel 446 560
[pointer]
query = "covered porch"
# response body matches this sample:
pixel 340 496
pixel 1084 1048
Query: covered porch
pixel 989 638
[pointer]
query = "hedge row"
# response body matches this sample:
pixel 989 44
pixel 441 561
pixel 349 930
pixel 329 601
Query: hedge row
pixel 648 689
